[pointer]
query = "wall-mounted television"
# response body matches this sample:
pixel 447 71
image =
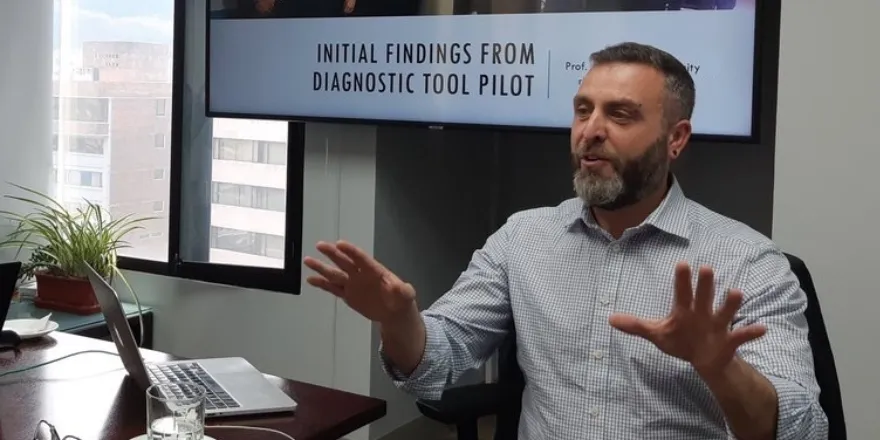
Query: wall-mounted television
pixel 511 63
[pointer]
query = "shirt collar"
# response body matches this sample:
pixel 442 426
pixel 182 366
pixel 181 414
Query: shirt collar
pixel 671 216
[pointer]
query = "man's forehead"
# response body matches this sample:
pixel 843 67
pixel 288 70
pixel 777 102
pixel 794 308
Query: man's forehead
pixel 623 82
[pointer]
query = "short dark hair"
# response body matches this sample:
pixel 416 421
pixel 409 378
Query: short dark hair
pixel 680 89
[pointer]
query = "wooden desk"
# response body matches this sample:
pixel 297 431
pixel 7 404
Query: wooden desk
pixel 90 396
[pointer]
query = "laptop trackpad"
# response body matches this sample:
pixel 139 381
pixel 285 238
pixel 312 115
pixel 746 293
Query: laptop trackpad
pixel 246 384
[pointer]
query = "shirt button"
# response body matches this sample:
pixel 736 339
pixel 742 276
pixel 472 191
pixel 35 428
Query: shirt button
pixel 604 301
pixel 594 411
pixel 598 354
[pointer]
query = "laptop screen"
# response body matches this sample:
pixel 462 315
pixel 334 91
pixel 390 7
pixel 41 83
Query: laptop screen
pixel 8 278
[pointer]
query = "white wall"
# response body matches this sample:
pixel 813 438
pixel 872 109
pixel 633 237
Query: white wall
pixel 827 193
pixel 25 99
pixel 311 337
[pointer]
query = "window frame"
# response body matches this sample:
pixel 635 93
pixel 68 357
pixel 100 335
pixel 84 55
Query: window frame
pixel 284 280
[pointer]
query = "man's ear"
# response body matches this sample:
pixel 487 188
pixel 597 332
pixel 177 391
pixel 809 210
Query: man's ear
pixel 678 138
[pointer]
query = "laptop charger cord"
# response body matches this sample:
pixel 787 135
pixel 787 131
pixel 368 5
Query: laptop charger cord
pixel 249 428
pixel 43 364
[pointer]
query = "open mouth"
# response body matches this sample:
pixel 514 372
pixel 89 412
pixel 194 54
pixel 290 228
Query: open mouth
pixel 592 160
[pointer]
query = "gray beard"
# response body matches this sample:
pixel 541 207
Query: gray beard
pixel 596 190
pixel 631 183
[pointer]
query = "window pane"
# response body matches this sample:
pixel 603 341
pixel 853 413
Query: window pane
pixel 249 181
pixel 227 149
pixel 86 144
pixel 276 200
pixel 277 153
pixel 244 152
pixel 227 194
pixel 247 196
pixel 83 178
pixel 247 242
pixel 112 102
pixel 82 109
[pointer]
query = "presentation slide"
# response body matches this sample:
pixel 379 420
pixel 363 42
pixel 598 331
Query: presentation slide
pixel 471 67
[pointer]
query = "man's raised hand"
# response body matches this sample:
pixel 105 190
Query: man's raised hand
pixel 362 282
pixel 693 331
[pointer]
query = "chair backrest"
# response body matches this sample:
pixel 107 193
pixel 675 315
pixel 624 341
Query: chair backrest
pixel 823 358
pixel 512 382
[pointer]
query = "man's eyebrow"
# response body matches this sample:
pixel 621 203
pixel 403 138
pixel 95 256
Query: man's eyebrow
pixel 621 102
pixel 581 99
pixel 625 102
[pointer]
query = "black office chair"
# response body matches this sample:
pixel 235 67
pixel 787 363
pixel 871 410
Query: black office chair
pixel 463 406
pixel 823 358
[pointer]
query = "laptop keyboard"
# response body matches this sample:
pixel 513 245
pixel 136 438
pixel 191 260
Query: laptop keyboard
pixel 215 396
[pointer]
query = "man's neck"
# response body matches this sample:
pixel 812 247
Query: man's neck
pixel 619 220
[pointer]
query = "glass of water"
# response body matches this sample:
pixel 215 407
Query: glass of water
pixel 176 411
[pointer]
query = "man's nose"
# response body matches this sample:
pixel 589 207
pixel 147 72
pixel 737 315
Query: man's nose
pixel 593 130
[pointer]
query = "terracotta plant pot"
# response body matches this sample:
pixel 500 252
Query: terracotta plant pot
pixel 72 295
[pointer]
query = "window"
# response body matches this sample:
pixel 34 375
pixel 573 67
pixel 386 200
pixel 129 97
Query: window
pixel 86 144
pixel 81 109
pixel 247 196
pixel 267 152
pixel 248 182
pixel 82 144
pixel 247 242
pixel 75 206
pixel 127 48
pixel 84 178
pixel 227 205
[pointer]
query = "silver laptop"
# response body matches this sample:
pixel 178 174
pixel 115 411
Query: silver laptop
pixel 234 387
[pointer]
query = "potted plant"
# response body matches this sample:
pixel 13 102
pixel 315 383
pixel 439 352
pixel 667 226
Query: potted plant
pixel 60 240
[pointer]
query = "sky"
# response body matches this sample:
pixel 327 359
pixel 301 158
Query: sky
pixel 146 21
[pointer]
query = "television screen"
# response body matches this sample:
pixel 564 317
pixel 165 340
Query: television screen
pixel 474 62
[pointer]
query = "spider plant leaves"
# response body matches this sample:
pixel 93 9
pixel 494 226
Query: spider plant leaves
pixel 61 239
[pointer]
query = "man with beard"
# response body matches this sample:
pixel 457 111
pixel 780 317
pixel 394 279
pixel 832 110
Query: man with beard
pixel 639 313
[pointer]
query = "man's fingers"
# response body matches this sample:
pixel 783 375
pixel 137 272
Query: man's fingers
pixel 332 274
pixel 323 284
pixel 746 334
pixel 705 296
pixel 632 325
pixel 360 258
pixel 733 301
pixel 338 258
pixel 684 293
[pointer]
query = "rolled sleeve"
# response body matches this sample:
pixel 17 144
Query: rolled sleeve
pixel 465 326
pixel 784 356
pixel 428 380
pixel 800 416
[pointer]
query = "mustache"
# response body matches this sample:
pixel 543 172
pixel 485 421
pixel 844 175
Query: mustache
pixel 594 150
